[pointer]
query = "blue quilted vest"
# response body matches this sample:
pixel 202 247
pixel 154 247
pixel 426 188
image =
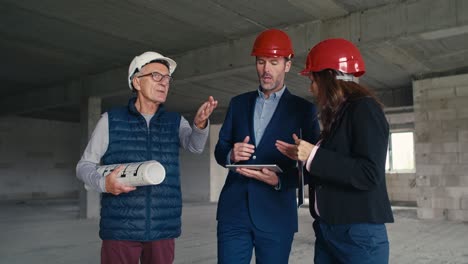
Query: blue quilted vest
pixel 150 212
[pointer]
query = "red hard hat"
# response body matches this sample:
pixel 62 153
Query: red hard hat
pixel 273 43
pixel 337 54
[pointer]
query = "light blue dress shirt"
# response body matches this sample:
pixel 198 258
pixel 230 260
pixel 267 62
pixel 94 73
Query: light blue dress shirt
pixel 264 110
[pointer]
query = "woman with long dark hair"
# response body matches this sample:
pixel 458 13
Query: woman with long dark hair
pixel 347 191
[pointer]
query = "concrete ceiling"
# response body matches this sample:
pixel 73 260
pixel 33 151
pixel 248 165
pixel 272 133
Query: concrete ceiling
pixel 56 52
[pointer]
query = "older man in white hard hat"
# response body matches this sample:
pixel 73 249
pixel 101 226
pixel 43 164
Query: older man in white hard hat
pixel 141 223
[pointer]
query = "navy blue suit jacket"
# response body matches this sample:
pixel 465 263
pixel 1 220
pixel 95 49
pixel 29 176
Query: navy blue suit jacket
pixel 270 210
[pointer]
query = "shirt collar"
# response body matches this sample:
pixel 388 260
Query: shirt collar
pixel 274 96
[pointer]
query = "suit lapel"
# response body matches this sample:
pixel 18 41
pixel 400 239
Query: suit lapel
pixel 251 109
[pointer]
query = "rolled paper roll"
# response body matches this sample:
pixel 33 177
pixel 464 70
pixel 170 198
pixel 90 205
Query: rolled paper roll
pixel 137 173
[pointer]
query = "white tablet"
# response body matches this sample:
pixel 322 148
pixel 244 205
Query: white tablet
pixel 272 167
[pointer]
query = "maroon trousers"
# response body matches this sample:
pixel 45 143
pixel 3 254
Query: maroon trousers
pixel 132 252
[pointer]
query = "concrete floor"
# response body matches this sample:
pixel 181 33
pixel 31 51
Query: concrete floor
pixel 49 232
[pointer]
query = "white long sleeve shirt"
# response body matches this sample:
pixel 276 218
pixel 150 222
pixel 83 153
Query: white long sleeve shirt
pixel 192 139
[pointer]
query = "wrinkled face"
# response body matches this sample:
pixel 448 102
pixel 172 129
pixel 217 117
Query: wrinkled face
pixel 271 72
pixel 150 90
pixel 313 88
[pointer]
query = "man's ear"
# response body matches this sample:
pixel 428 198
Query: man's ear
pixel 288 66
pixel 136 83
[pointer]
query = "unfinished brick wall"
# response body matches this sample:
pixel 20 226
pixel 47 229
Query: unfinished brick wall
pixel 441 147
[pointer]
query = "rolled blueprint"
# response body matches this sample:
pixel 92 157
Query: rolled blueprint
pixel 137 173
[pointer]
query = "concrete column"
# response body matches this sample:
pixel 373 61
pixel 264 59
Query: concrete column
pixel 195 175
pixel 218 173
pixel 441 147
pixel 201 177
pixel 195 171
pixel 90 112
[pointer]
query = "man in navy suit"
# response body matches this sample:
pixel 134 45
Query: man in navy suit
pixel 258 208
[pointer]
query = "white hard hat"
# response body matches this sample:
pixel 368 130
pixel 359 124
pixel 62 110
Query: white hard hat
pixel 139 61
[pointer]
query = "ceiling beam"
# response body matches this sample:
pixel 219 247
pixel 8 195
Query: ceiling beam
pixel 320 8
pixel 370 28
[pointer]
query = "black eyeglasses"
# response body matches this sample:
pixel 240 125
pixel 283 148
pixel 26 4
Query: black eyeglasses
pixel 157 77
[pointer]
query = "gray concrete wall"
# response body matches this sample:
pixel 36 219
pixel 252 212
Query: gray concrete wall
pixel 38 158
pixel 441 147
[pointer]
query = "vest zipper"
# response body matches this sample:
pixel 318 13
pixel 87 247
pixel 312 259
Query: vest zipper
pixel 148 189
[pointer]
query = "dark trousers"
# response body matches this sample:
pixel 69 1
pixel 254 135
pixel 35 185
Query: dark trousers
pixel 351 243
pixel 236 242
pixel 132 252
